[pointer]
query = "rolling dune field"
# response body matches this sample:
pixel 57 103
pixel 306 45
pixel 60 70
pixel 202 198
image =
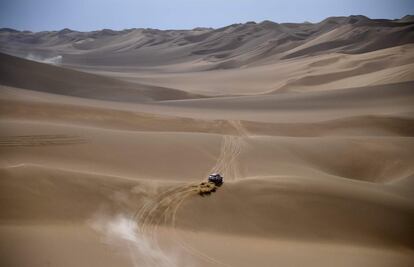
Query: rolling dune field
pixel 311 125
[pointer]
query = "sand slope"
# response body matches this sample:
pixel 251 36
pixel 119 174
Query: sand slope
pixel 51 79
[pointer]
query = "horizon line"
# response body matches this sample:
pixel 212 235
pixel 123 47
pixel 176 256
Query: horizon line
pixel 201 27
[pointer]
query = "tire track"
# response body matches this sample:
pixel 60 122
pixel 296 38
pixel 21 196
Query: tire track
pixel 41 140
pixel 164 207
pixel 231 148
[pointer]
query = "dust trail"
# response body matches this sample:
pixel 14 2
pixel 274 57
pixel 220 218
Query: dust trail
pixel 121 231
pixel 143 226
pixel 56 60
pixel 139 232
pixel 156 212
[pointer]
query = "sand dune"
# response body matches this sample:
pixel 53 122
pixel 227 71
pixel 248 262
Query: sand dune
pixel 46 78
pixel 311 124
pixel 228 47
pixel 330 71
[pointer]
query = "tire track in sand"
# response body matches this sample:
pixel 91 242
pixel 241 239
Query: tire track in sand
pixel 226 164
pixel 40 140
pixel 231 148
pixel 164 207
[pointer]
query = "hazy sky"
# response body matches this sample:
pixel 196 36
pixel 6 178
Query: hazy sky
pixel 88 15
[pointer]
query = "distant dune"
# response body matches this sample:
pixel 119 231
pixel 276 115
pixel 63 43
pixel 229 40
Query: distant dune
pixel 228 47
pixel 106 135
pixel 57 80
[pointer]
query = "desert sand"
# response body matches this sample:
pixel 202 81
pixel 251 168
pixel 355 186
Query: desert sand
pixel 106 135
